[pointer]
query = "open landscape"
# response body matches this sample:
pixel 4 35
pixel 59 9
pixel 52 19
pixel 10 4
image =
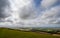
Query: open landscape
pixel 29 18
pixel 15 33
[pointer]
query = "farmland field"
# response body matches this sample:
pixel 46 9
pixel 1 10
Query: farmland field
pixel 10 33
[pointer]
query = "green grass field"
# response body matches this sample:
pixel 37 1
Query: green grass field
pixel 8 33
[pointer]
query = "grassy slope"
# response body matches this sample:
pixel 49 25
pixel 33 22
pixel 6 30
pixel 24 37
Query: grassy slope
pixel 8 33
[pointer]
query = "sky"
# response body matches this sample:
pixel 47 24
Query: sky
pixel 29 13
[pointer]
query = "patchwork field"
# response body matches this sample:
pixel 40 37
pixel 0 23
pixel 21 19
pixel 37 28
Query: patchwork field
pixel 10 33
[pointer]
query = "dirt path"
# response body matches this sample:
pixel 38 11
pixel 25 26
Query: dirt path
pixel 56 34
pixel 48 33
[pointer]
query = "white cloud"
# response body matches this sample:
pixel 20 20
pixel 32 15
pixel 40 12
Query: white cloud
pixel 23 12
pixel 48 3
pixel 51 15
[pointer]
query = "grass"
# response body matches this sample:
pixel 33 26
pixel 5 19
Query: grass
pixel 9 33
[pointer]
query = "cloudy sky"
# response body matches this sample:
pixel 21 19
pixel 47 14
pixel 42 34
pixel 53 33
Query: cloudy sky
pixel 29 12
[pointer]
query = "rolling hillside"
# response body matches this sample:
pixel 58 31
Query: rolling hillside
pixel 10 33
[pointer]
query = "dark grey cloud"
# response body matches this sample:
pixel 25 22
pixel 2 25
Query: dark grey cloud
pixel 4 4
pixel 28 13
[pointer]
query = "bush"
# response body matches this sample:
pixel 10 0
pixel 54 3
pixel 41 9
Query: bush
pixel 52 32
